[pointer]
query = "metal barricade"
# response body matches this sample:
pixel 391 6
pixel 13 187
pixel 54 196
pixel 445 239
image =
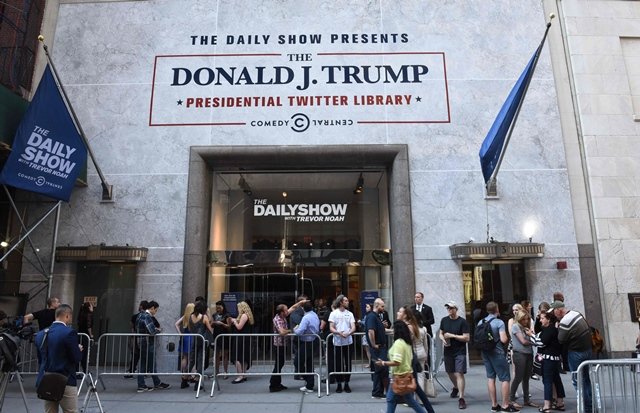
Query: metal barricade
pixel 357 357
pixel 437 359
pixel 160 354
pixel 352 356
pixel 258 352
pixel 28 357
pixel 83 370
pixel 615 385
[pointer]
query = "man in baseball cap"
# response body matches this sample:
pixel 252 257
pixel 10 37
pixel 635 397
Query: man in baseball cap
pixel 554 305
pixel 454 332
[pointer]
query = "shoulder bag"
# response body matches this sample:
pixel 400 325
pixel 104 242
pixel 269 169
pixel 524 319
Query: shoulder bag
pixel 403 384
pixel 52 384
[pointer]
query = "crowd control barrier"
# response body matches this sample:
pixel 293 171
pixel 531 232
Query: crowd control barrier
pixel 134 355
pixel 355 355
pixel 615 385
pixel 28 358
pixel 261 355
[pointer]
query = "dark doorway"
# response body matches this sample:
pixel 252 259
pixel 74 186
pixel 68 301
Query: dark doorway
pixel 111 287
pixel 501 281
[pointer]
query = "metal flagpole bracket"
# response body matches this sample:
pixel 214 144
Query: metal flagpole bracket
pixel 491 189
pixel 107 193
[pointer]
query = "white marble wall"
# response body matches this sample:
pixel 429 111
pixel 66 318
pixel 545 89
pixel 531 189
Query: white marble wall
pixel 105 54
pixel 605 76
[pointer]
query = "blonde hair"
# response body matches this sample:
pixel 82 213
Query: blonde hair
pixel 522 315
pixel 243 308
pixel 188 310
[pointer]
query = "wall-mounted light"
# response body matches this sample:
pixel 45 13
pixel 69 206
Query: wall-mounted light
pixel 4 244
pixel 359 185
pixel 529 230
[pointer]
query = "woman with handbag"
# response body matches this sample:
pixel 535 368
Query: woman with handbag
pixel 550 351
pixel 420 352
pixel 402 380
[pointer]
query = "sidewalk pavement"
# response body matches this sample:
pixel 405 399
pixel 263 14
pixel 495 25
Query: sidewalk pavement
pixel 253 396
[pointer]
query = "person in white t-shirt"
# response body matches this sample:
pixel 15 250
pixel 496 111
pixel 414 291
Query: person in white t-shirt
pixel 342 324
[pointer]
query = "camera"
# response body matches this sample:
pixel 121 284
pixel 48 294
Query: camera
pixel 9 344
pixel 11 332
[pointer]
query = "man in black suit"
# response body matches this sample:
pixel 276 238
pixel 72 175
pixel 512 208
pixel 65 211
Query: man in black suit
pixel 423 312
pixel 60 354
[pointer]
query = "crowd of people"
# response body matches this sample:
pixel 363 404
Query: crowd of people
pixel 525 347
pixel 557 337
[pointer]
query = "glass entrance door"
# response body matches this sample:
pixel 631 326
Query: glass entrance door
pixel 277 234
pixel 501 281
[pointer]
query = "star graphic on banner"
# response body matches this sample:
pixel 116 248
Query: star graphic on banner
pixel 418 99
pixel 180 102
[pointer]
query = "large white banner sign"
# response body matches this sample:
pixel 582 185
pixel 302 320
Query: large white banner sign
pixel 299 91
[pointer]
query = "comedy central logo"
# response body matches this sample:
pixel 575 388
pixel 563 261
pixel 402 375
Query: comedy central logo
pixel 299 122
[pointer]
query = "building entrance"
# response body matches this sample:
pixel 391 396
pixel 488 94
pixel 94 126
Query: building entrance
pixel 276 235
pixel 501 281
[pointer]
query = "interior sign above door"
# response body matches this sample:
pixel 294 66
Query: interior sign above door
pixel 300 212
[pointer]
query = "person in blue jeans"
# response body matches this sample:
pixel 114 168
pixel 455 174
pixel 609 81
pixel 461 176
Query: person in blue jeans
pixel 377 341
pixel 307 332
pixel 495 361
pixel 145 325
pixel 401 355
pixel 574 332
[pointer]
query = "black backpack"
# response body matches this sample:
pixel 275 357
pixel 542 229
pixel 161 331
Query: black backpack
pixel 483 336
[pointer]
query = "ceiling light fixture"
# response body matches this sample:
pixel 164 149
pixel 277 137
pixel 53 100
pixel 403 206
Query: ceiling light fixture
pixel 244 185
pixel 360 185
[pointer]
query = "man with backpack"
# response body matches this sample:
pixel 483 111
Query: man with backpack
pixel 489 337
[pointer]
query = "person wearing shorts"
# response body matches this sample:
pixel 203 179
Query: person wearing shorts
pixel 495 361
pixel 454 333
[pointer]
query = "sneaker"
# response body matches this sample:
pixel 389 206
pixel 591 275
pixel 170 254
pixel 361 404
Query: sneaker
pixel 496 408
pixel 162 386
pixel 347 389
pixel 454 393
pixel 274 389
pixel 461 403
pixel 535 377
pixel 144 389
pixel 339 388
pixel 377 396
pixel 184 384
pixel 128 377
pixel 305 390
pixel 510 408
pixel 283 387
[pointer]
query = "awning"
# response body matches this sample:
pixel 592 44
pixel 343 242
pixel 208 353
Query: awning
pixel 102 252
pixel 496 250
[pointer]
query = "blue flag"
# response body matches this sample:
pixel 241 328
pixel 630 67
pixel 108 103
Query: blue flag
pixel 492 145
pixel 48 152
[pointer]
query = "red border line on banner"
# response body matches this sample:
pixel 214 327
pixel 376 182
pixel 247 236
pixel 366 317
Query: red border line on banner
pixel 444 64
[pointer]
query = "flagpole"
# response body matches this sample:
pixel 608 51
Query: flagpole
pixel 515 117
pixel 107 190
